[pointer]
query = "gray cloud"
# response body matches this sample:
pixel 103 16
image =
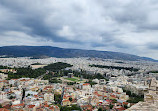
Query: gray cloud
pixel 117 25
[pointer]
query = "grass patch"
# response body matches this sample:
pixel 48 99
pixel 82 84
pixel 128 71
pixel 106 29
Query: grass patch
pixel 73 79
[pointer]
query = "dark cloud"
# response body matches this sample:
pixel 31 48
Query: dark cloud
pixel 118 25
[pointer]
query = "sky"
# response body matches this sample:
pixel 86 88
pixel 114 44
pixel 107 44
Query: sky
pixel 128 26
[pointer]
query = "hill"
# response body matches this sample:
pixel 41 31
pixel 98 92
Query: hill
pixel 49 51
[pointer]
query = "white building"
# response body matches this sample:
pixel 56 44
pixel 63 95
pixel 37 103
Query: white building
pixel 49 97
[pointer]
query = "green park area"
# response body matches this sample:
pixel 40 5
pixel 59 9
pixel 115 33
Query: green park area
pixel 74 79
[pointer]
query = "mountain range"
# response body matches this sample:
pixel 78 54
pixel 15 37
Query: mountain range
pixel 49 51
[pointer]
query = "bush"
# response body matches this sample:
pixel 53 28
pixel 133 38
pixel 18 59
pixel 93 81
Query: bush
pixel 70 108
pixel 1 106
pixel 57 98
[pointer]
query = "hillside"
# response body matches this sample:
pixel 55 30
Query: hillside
pixel 48 51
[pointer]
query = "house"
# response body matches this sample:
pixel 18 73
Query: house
pixel 3 76
pixel 8 70
pixel 119 108
pixel 17 107
pixel 94 101
pixel 66 102
pixel 5 102
pixel 96 81
pixel 54 108
pixel 3 95
pixel 30 108
pixel 13 82
pixel 3 83
pixel 84 86
pixel 49 97
pixel 3 109
pixel 124 97
pixel 87 107
pixel 102 81
pixel 150 99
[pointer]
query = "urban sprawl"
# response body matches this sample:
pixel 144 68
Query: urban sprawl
pixel 77 84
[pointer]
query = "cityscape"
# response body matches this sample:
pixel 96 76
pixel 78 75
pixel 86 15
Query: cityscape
pixel 78 55
pixel 65 84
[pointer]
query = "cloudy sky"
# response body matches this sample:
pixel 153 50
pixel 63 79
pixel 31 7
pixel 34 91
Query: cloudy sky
pixel 129 26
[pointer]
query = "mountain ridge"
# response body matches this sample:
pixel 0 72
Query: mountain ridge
pixel 50 51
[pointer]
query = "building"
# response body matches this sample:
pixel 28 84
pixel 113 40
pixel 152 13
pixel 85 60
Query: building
pixel 66 102
pixel 8 70
pixel 70 75
pixel 3 95
pixel 3 76
pixel 49 97
pixel 150 99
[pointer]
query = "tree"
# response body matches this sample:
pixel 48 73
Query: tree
pixel 26 72
pixel 57 98
pixel 70 99
pixel 28 95
pixel 91 82
pixel 75 107
pixel 1 106
pixel 135 99
pixel 71 108
pixel 111 106
pixel 125 106
pixel 57 66
pixel 128 93
pixel 11 97
pixel 114 101
pixel 100 109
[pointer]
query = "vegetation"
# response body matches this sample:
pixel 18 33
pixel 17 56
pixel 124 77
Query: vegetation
pixel 26 72
pixel 115 67
pixel 71 83
pixel 34 73
pixel 11 97
pixel 133 97
pixel 114 101
pixel 57 66
pixel 119 62
pixel 72 79
pixel 153 72
pixel 61 73
pixel 55 70
pixel 100 109
pixel 4 67
pixel 70 99
pixel 37 64
pixel 88 76
pixel 125 106
pixel 57 98
pixel 34 51
pixel 70 108
pixel 51 78
pixel 111 106
pixel 55 80
pixel 91 82
pixel 47 76
pixel 1 106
